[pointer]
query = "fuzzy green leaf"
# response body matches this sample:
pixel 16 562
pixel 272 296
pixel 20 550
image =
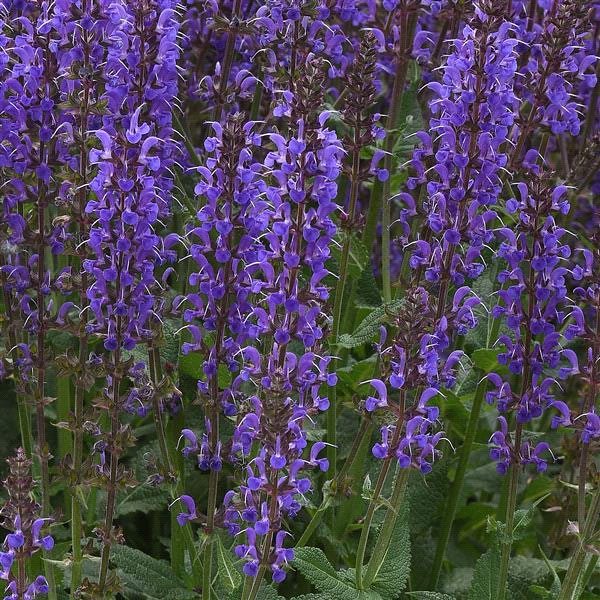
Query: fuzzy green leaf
pixel 229 576
pixel 368 294
pixel 358 255
pixel 485 578
pixel 144 498
pixel 152 578
pixel 313 564
pixel 393 574
pixel 429 596
pixel 485 359
pixel 369 326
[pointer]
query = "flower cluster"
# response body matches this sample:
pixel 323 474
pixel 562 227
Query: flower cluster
pixel 460 164
pixel 130 190
pixel 26 536
pixel 531 304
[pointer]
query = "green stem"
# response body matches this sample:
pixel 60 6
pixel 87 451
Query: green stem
pixel 387 529
pixel 248 582
pixel 457 484
pixel 76 535
pixel 24 424
pixel 114 462
pixel 569 584
pixel 459 477
pixel 373 505
pixel 589 571
pixel 174 427
pixel 513 485
pixel 365 427
pixel 208 550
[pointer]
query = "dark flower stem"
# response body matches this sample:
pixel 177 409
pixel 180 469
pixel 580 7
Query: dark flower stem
pixel 42 446
pixel 407 29
pixel 588 405
pixel 338 300
pixel 511 504
pixel 114 463
pixel 22 408
pixel 515 467
pixel 80 385
pixel 227 61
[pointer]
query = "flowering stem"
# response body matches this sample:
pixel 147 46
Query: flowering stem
pixel 368 235
pixel 156 376
pixel 266 547
pixel 592 108
pixel 569 584
pixel 387 529
pixel 42 446
pixel 227 61
pixel 587 406
pixel 461 469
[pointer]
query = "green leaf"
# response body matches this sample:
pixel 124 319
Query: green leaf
pixel 335 585
pixel 143 498
pixel 426 496
pixel 369 326
pixel 485 359
pixel 367 290
pixel 190 365
pixel 154 579
pixel 522 520
pixel 354 506
pixel 485 578
pixel 169 348
pixel 358 255
pixel 556 585
pixel 229 576
pixel 430 596
pixel 357 372
pixel 393 574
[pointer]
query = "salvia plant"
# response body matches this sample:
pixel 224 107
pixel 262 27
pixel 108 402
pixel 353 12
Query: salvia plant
pixel 300 299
